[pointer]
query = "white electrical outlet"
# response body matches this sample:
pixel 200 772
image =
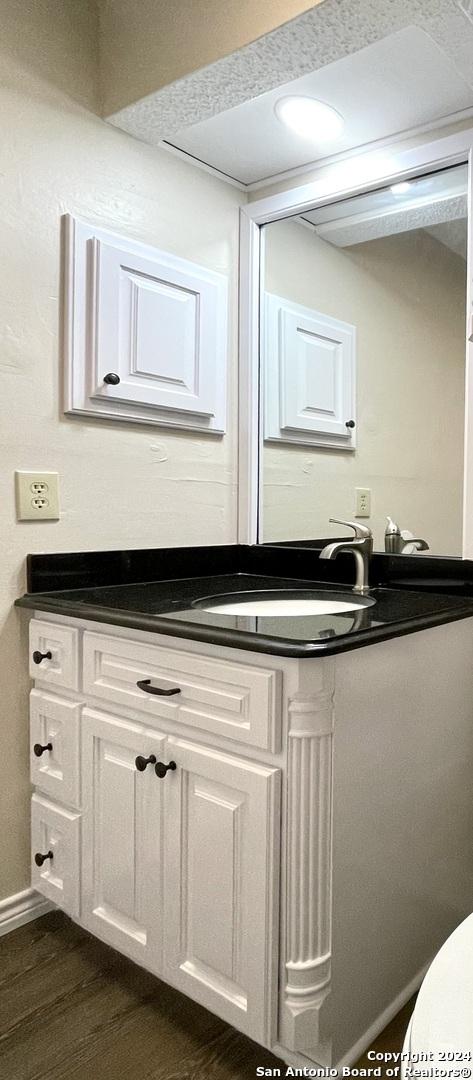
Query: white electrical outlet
pixel 363 502
pixel 37 496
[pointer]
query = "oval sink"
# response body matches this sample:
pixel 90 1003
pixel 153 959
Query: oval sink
pixel 281 602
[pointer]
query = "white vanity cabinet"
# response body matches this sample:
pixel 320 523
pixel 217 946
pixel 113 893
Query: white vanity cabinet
pixel 307 846
pixel 178 871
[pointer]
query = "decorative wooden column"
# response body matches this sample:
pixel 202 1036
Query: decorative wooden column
pixel 309 866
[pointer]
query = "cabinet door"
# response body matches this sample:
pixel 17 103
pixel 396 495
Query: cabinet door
pixel 146 332
pixel 221 884
pixel 310 368
pixel 156 325
pixel 122 900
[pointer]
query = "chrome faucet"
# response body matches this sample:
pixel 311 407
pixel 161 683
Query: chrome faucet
pixel 361 547
pixel 394 542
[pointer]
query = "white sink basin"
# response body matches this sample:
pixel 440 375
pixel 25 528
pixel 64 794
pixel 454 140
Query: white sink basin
pixel 283 602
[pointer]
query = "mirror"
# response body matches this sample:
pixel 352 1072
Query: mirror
pixel 362 367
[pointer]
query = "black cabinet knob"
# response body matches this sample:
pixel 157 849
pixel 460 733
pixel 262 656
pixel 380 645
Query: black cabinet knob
pixel 161 769
pixel 350 423
pixel 40 859
pixel 39 656
pixel 142 762
pixel 111 379
pixel 38 749
pixel 145 684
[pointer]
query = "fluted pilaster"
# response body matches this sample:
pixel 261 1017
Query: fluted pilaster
pixel 309 867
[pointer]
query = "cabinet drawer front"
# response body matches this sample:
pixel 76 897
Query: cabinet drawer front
pixel 221 858
pixel 54 746
pixel 233 700
pixel 62 642
pixel 55 834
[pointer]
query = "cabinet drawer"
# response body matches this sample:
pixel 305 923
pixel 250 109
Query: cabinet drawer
pixel 55 834
pixel 54 654
pixel 233 700
pixel 54 744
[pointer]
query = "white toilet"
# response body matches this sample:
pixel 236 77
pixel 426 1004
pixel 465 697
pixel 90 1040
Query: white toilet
pixel 440 1034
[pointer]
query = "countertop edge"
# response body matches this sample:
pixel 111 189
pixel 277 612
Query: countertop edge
pixel 238 639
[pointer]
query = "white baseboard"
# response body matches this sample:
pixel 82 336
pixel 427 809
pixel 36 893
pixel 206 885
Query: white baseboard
pixel 22 908
pixel 352 1056
pixel 384 1019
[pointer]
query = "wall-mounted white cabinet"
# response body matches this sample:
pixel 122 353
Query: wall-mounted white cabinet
pixel 309 365
pixel 145 333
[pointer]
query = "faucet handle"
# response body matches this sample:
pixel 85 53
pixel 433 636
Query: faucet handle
pixel 362 532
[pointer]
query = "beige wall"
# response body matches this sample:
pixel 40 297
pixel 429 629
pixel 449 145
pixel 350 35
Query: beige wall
pixel 406 296
pixel 146 45
pixel 120 485
pixel 52 42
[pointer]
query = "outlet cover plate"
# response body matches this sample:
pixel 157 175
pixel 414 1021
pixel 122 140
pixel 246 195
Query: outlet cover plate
pixel 37 496
pixel 362 502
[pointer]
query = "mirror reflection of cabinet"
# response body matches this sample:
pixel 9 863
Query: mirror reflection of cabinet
pixel 309 366
pixel 391 262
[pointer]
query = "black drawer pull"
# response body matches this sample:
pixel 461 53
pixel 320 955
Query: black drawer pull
pixel 145 684
pixel 39 656
pixel 111 379
pixel 161 769
pixel 38 749
pixel 142 762
pixel 40 859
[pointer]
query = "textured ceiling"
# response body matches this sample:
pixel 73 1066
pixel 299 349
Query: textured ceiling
pixel 357 232
pixel 437 202
pixel 323 35
pixel 397 84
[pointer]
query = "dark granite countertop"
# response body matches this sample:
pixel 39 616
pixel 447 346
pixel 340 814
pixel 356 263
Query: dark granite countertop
pixel 165 606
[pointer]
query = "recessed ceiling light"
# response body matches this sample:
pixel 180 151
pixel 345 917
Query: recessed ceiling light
pixel 310 118
pixel 400 189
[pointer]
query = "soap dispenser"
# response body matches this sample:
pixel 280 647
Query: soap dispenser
pixel 395 543
pixel 392 537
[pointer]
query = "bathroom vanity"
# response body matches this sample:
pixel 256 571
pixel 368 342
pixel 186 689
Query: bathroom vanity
pixel 273 815
pixel 270 811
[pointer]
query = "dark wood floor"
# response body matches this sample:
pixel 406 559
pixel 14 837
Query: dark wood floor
pixel 72 1009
